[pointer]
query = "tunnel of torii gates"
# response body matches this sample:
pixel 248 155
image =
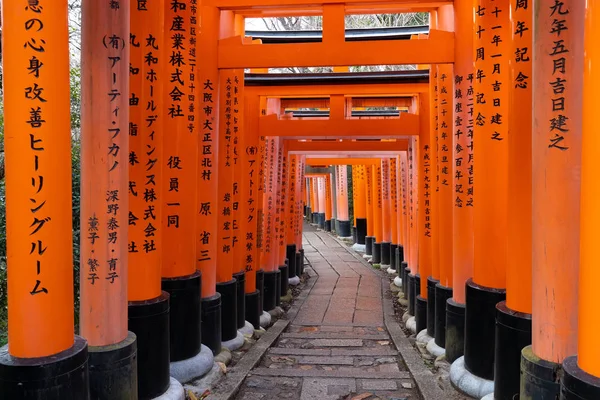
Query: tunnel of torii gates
pixel 196 176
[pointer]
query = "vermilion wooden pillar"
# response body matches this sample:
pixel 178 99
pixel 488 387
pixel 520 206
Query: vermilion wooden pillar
pixel 292 218
pixel 557 83
pixel 207 177
pixel 104 198
pixel 342 198
pixel 328 202
pixel 370 238
pixel 377 213
pixel 582 372
pixel 486 288
pixel 38 207
pixel 301 193
pixel 181 278
pixel 462 176
pixel 426 186
pixel 148 312
pixel 413 283
pixel 360 207
pixel 445 121
pixel 386 211
pixel 395 226
pixel 513 319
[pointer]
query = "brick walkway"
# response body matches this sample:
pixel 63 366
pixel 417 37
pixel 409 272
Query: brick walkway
pixel 337 346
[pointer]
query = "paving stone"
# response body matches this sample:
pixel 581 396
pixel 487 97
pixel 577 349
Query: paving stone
pixel 302 352
pixel 326 360
pixel 253 396
pixel 339 335
pixel 342 372
pixel 327 389
pixel 372 352
pixel 337 342
pixel 378 384
pixel 388 367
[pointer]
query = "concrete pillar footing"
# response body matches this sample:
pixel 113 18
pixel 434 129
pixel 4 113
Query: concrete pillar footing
pixel 174 392
pixel 434 349
pixel 235 343
pixel 247 329
pixel 294 281
pixel 360 248
pixel 488 397
pixel 468 383
pixel 389 269
pixel 265 320
pixel 411 324
pixel 423 337
pixel 398 281
pixel 192 368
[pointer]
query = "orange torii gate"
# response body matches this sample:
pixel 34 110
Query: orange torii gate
pixel 490 59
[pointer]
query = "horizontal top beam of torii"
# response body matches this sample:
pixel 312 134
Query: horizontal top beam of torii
pixel 406 125
pixel 375 160
pixel 346 146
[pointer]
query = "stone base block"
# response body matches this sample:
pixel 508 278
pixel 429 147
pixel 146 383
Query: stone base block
pixel 434 349
pixel 398 281
pixel 468 383
pixel 265 320
pixel 248 329
pixel 294 281
pixel 423 337
pixel 411 324
pixel 174 392
pixel 193 368
pixel 234 343
pixel 360 248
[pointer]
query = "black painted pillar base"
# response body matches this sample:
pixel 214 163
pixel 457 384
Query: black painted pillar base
pixel 345 230
pixel 270 290
pixel 260 286
pixel 321 220
pixel 404 271
pixel 63 376
pixel 431 283
pixel 442 294
pixel 114 370
pixel 353 234
pixel 540 379
pixel 376 253
pixel 278 288
pixel 361 230
pixel 328 225
pixel 305 210
pixel 455 330
pixel 421 313
pixel 513 333
pixel 240 279
pixel 184 315
pixel 228 291
pixel 369 240
pixel 578 384
pixel 412 293
pixel 211 322
pixel 253 312
pixel 480 328
pixel 401 253
pixel 301 264
pixel 386 253
pixel 334 225
pixel 290 254
pixel 393 255
pixel 285 277
pixel 149 320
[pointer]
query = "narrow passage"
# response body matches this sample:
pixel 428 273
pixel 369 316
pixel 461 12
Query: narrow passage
pixel 337 346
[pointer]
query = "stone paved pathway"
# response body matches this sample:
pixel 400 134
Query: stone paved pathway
pixel 337 346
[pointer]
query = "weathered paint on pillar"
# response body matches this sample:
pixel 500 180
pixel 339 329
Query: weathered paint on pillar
pixel 360 208
pixel 328 198
pixel 104 172
pixel 395 226
pixel 369 200
pixel 444 161
pixel 342 212
pixel 413 178
pixel 518 275
pixel 556 166
pixel 425 188
pixel 386 204
pixel 146 115
pixel 37 143
pixel 589 275
pixel 239 170
pixel 491 85
pixel 377 202
pixel 462 150
pixel 207 143
pixel 179 161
